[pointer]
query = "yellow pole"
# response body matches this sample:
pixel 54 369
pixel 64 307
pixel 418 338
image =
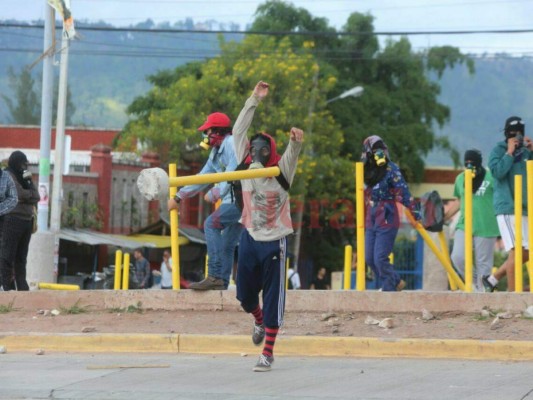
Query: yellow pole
pixel 360 225
pixel 174 234
pixel 126 272
pixel 468 232
pixel 518 276
pixel 347 267
pixel 529 184
pixel 118 269
pixel 206 266
pixel 447 266
pixel 57 286
pixel 174 181
pixel 446 253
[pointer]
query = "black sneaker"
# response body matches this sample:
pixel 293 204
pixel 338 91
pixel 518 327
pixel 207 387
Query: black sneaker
pixel 489 287
pixel 259 334
pixel 264 363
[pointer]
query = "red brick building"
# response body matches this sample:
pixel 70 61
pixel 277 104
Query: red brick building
pixel 99 176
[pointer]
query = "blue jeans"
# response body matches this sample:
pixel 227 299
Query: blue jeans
pixel 222 232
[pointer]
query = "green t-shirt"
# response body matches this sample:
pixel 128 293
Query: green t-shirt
pixel 483 219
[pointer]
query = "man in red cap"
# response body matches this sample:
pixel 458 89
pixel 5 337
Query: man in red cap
pixel 222 228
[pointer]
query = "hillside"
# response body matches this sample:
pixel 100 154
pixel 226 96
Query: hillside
pixel 479 104
pixel 107 70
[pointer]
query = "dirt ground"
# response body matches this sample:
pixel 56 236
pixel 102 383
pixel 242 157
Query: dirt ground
pixel 405 325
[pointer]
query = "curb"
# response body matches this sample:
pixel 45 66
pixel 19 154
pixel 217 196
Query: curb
pixel 501 350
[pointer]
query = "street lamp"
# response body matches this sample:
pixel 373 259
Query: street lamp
pixel 354 92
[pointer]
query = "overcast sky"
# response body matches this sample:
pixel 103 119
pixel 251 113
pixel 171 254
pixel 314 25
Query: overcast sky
pixel 390 15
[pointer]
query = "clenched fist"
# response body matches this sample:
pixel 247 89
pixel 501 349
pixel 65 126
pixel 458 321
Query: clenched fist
pixel 297 134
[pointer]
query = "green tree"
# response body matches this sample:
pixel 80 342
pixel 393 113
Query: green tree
pixel 399 103
pixel 24 105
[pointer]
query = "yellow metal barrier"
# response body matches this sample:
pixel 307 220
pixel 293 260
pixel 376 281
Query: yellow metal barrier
pixel 360 225
pixel 446 253
pixel 447 266
pixel 57 286
pixel 347 267
pixel 174 181
pixel 518 276
pixel 118 269
pixel 126 272
pixel 530 219
pixel 174 233
pixel 468 232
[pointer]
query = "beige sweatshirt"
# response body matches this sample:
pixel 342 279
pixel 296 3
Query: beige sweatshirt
pixel 266 212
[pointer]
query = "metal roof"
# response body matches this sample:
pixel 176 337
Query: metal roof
pixel 124 241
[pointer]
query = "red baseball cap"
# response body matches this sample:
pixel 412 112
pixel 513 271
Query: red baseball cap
pixel 217 119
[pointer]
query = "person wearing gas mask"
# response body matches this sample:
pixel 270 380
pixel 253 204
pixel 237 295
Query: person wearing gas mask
pixel 222 228
pixel 384 187
pixel 484 226
pixel 17 225
pixel 267 221
pixel 507 159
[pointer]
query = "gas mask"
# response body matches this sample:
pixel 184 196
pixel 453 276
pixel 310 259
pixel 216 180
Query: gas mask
pixel 211 139
pixel 259 152
pixel 380 157
pixel 204 144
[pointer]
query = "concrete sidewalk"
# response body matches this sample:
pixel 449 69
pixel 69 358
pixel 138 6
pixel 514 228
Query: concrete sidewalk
pixel 312 301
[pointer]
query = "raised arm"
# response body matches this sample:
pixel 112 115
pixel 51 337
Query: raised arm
pixel 245 118
pixel 289 160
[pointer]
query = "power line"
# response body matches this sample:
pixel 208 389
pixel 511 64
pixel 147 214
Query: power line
pixel 279 33
pixel 198 55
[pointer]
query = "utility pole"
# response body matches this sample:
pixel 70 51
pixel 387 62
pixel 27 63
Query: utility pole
pixel 46 114
pixel 40 260
pixel 55 219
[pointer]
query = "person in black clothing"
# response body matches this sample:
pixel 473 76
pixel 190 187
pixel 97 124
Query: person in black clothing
pixel 321 281
pixel 17 225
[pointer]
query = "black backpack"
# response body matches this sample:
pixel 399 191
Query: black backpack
pixel 236 186
pixel 432 211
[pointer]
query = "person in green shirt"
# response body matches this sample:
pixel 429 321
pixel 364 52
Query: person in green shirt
pixel 507 159
pixel 484 225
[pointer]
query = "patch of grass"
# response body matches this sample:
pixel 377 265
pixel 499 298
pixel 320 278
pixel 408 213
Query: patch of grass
pixel 5 308
pixel 480 318
pixel 135 308
pixel 115 310
pixel 74 309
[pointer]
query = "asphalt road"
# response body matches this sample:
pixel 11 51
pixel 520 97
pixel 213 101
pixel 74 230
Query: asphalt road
pixel 183 376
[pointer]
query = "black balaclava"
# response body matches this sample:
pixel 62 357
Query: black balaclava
pixel 374 173
pixel 514 124
pixel 514 127
pixel 474 160
pixel 17 164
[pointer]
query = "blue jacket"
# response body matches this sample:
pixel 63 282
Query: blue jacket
pixel 221 159
pixel 503 168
